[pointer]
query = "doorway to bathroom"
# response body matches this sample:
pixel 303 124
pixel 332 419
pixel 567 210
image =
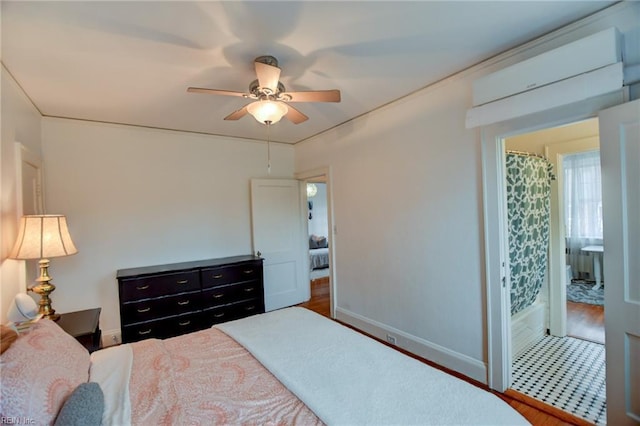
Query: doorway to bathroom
pixel 557 342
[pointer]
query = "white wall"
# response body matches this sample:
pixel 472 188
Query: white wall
pixel 407 205
pixel 406 202
pixel 137 197
pixel 20 122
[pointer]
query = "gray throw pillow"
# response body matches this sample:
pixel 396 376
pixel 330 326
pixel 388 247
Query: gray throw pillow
pixel 316 242
pixel 84 406
pixel 322 242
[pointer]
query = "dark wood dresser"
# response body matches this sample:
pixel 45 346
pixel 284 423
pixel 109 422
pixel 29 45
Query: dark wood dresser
pixel 168 300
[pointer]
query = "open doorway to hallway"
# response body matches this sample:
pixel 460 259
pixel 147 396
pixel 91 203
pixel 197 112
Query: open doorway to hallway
pixel 557 330
pixel 319 240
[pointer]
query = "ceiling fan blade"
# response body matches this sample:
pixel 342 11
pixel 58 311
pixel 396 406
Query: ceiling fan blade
pixel 236 115
pixel 215 92
pixel 295 116
pixel 268 76
pixel 313 96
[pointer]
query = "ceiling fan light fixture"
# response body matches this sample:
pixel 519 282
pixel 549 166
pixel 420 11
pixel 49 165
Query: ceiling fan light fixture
pixel 312 190
pixel 267 111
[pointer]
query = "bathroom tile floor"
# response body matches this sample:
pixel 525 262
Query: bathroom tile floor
pixel 566 373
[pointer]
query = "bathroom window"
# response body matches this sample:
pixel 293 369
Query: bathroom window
pixel 583 195
pixel 583 210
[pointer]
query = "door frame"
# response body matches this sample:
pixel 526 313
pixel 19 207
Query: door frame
pixel 498 315
pixel 25 159
pixel 324 173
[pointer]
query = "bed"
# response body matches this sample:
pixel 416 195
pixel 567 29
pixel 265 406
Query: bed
pixel 264 369
pixel 318 258
pixel 318 252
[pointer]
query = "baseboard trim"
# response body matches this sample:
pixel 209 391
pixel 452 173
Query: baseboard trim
pixel 435 353
pixel 527 327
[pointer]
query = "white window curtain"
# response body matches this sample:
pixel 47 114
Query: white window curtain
pixel 583 209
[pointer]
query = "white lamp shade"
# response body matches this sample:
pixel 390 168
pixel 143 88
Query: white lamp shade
pixel 267 112
pixel 43 236
pixel 23 308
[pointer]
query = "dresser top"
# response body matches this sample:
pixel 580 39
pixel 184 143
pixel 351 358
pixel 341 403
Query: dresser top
pixel 173 267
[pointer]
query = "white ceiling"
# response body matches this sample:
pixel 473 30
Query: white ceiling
pixel 131 62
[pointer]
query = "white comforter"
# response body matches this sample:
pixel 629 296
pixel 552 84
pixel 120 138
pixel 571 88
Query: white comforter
pixel 349 379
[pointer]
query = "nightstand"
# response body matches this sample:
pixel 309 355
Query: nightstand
pixel 84 326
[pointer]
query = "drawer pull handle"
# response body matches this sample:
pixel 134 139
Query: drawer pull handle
pixel 217 277
pixel 183 303
pixel 248 271
pixel 182 282
pixel 143 287
pixel 249 289
pixel 142 333
pixel 218 296
pixel 249 308
pixel 218 315
pixel 182 324
pixel 143 310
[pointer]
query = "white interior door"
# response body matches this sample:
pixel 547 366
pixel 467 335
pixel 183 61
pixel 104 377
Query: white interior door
pixel 620 159
pixel 279 237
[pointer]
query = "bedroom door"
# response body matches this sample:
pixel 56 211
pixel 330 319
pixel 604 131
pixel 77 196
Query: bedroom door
pixel 620 160
pixel 279 237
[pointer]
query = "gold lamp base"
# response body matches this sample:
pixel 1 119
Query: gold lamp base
pixel 44 288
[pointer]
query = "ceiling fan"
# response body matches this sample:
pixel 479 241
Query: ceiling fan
pixel 271 100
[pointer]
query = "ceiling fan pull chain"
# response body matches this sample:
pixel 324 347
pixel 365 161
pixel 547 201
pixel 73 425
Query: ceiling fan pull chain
pixel 268 123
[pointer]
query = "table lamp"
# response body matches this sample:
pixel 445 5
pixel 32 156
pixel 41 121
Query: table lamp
pixel 42 237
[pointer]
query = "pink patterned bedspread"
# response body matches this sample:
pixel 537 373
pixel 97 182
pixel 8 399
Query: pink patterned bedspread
pixel 208 378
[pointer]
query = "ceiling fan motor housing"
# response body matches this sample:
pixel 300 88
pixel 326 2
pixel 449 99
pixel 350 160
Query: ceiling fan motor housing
pixel 265 92
pixel 268 60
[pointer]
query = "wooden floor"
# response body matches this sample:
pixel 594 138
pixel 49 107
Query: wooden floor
pixel 319 301
pixel 585 321
pixel 535 412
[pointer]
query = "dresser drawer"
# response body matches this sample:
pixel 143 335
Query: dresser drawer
pixel 149 309
pixel 230 293
pixel 158 285
pixel 213 277
pixel 164 328
pixel 232 311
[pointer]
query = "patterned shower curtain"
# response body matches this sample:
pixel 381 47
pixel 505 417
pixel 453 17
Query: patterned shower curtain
pixel 528 199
